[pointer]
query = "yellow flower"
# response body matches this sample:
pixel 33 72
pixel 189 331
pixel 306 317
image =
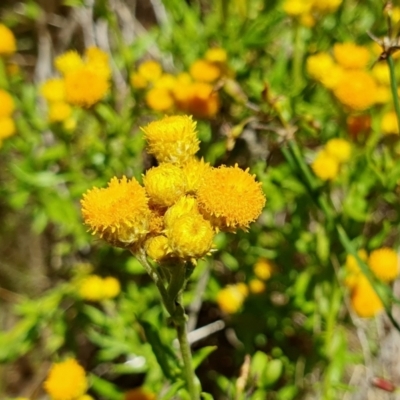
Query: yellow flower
pixel 332 76
pixel 59 111
pixel 118 213
pixel 164 184
pixel 53 90
pixel 7 104
pixel 351 56
pixel 256 286
pixel 66 380
pixel 68 62
pixel 216 55
pixel 339 149
pixel 326 6
pixel 204 71
pixel 150 70
pixel 356 89
pixel 157 248
pixel 384 263
pixel 263 269
pixel 230 198
pixel 159 99
pixel 7 127
pixel 111 287
pixel 231 298
pixel 184 78
pixel 166 81
pixel 185 205
pixel 318 65
pixel 172 139
pixel 138 81
pixel 203 101
pixel 296 8
pixel 139 394
pixel 8 44
pixel 381 73
pixel 85 397
pixel 352 264
pixel 194 171
pixel 389 124
pixel 91 288
pixel 98 61
pixel 85 87
pixel 325 166
pixel 190 236
pixel 364 300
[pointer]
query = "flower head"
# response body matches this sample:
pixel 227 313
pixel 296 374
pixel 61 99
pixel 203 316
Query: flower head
pixel 256 286
pixel 150 70
pixel 325 166
pixel 185 205
pixel 231 298
pixel 384 263
pixel 157 248
pixel 68 62
pixel 66 380
pixel 98 60
pixel 230 198
pixel 263 269
pixel 53 90
pixel 204 71
pixel 59 111
pixel 216 55
pixel 351 56
pixel 318 65
pixel 364 300
pixel 194 171
pixel 339 149
pixel 159 99
pixel 91 288
pixel 7 104
pixel 172 139
pixel 111 287
pixel 8 44
pixel 7 128
pixel 389 124
pixel 118 213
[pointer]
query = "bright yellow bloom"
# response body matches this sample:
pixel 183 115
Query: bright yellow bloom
pixel 216 55
pixel 325 166
pixel 159 99
pixel 204 71
pixel 7 104
pixel 7 127
pixel 230 198
pixel 364 299
pixel 351 56
pixel 85 397
pixel 85 87
pixel 59 111
pixel 263 269
pixel 332 77
pixel 256 286
pixel 231 298
pixel 318 65
pixel 139 394
pixel 381 73
pixel 8 43
pixel 194 171
pixel 183 78
pixel 190 236
pixel 383 94
pixel 118 213
pixel 166 81
pixel 164 184
pixel 98 60
pixel 296 8
pixel 138 81
pixel 150 70
pixel 356 89
pixel 352 264
pixel 339 149
pixel 326 6
pixel 111 287
pixel 389 124
pixel 91 288
pixel 68 62
pixel 53 90
pixel 172 139
pixel 384 263
pixel 66 380
pixel 185 205
pixel 157 248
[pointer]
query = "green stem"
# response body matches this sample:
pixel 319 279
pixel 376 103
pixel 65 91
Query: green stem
pixel 297 58
pixel 3 75
pixel 393 87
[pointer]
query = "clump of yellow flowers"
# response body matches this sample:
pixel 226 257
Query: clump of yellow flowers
pixel 182 203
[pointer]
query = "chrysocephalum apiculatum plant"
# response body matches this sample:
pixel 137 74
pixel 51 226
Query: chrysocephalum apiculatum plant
pixel 173 218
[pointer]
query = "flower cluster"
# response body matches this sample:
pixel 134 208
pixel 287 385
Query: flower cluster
pixel 192 92
pixel 327 162
pixel 182 204
pixel 83 83
pixel 67 381
pixel 96 288
pixel 7 107
pixel 383 263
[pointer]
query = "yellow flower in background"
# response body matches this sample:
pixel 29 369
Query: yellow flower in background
pixel 190 236
pixel 318 65
pixel 183 78
pixel 157 248
pixel 356 89
pixel 138 81
pixel 231 298
pixel 256 286
pixel 325 166
pixel 230 198
pixel 296 8
pixel 164 184
pixel 59 111
pixel 381 73
pixel 384 263
pixel 326 6
pixel 111 287
pixel 91 288
pixel 85 87
pixel 159 99
pixel 204 71
pixel 194 171
pixel 118 213
pixel 166 81
pixel 172 139
pixel 8 43
pixel 98 60
pixel 339 149
pixel 351 56
pixel 53 90
pixel 66 381
pixel 139 394
pixel 364 300
pixel 150 70
pixel 216 55
pixel 352 264
pixel 389 124
pixel 68 62
pixel 7 105
pixel 7 128
pixel 201 100
pixel 263 269
pixel 85 397
pixel 332 77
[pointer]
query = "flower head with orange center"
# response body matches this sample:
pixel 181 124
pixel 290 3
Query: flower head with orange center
pixel 325 166
pixel 68 62
pixel 8 44
pixel 53 90
pixel 364 300
pixel 7 104
pixel 172 139
pixel 119 213
pixel 351 56
pixel 66 381
pixel 384 263
pixel 230 198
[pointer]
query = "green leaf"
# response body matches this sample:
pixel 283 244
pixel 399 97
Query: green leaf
pixel 105 389
pixel 202 354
